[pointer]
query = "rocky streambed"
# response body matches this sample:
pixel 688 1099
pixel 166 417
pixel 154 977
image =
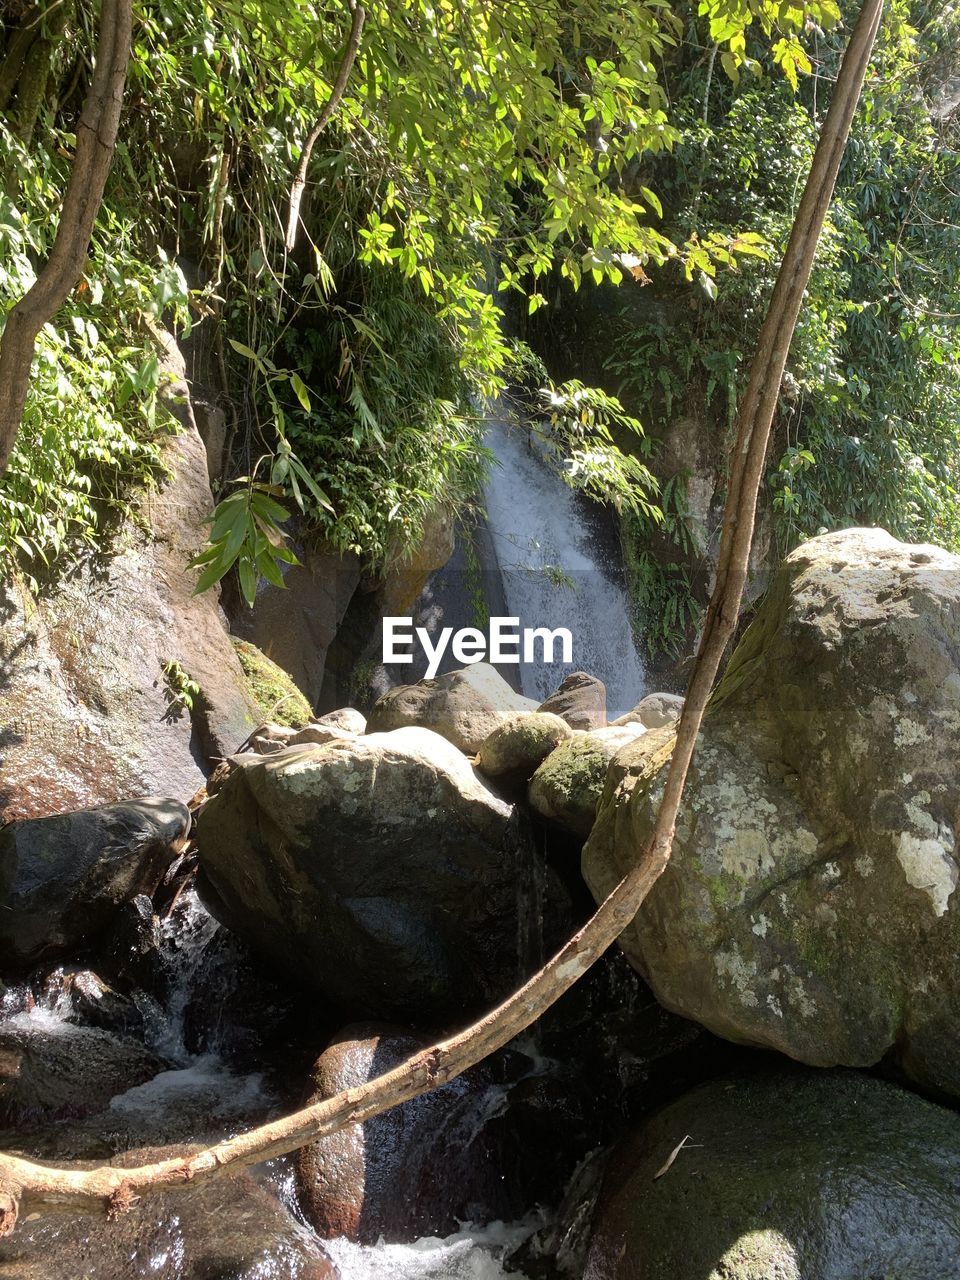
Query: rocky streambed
pixel 762 1082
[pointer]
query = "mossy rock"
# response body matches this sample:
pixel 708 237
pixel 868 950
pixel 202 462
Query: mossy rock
pixel 810 904
pixel 568 786
pixel 788 1176
pixel 274 692
pixel 518 746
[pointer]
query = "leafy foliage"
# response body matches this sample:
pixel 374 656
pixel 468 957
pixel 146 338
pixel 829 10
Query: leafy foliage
pixel 480 148
pixel 869 420
pixel 91 428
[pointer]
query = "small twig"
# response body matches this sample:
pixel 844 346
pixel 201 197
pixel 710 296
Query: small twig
pixel 668 1163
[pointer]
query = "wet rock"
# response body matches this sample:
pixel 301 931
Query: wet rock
pixel 515 749
pixel 567 787
pixel 88 708
pixel 87 999
pixel 418 1170
pixel 463 706
pixel 231 1229
pixel 581 700
pixel 810 904
pixel 51 1069
pixel 63 878
pixel 655 711
pixel 800 1177
pixel 381 870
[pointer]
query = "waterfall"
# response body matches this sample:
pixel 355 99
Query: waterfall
pixel 556 571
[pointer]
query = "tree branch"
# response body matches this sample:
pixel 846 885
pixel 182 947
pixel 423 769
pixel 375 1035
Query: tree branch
pixel 96 140
pixel 26 1185
pixel 339 88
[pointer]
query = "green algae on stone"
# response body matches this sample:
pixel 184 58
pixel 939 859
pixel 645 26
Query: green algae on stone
pixel 274 692
pixel 787 1176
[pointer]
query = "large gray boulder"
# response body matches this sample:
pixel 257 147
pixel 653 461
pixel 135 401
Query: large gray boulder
pixel 383 871
pixel 64 878
pixel 462 706
pixel 90 671
pixel 810 904
pixel 827 1176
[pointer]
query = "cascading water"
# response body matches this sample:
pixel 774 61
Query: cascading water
pixel 556 573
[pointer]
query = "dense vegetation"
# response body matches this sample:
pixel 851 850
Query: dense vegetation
pixel 869 425
pixel 482 152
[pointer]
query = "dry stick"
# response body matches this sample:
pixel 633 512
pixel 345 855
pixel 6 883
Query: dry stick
pixel 339 88
pixel 28 1185
pixel 96 139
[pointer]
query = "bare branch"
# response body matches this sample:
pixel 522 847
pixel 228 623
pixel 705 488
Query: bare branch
pixel 339 88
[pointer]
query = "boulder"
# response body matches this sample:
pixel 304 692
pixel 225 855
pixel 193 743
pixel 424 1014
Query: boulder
pixel 655 711
pixel 568 785
pixel 462 706
pixel 233 1227
pixel 515 748
pixel 417 1170
pixel 810 904
pixel 381 870
pixel 91 672
pixel 581 700
pixel 825 1176
pixel 63 879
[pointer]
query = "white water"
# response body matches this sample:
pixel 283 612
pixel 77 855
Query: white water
pixel 473 1253
pixel 556 574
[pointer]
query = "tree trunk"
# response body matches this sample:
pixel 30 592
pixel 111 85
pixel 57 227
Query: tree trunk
pixel 30 1186
pixel 96 139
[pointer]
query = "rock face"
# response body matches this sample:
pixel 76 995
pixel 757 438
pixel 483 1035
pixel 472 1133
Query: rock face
pixel 87 715
pixel 515 749
pixel 568 785
pixel 581 700
pixel 380 869
pixel 230 1228
pixel 810 904
pixel 417 1170
pixel 827 1176
pixel 463 706
pixel 63 879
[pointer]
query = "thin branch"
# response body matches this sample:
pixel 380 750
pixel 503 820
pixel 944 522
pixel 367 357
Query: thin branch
pixel 96 139
pixel 26 1186
pixel 339 88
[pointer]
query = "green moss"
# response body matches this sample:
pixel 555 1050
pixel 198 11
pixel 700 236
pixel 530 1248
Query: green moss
pixel 272 689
